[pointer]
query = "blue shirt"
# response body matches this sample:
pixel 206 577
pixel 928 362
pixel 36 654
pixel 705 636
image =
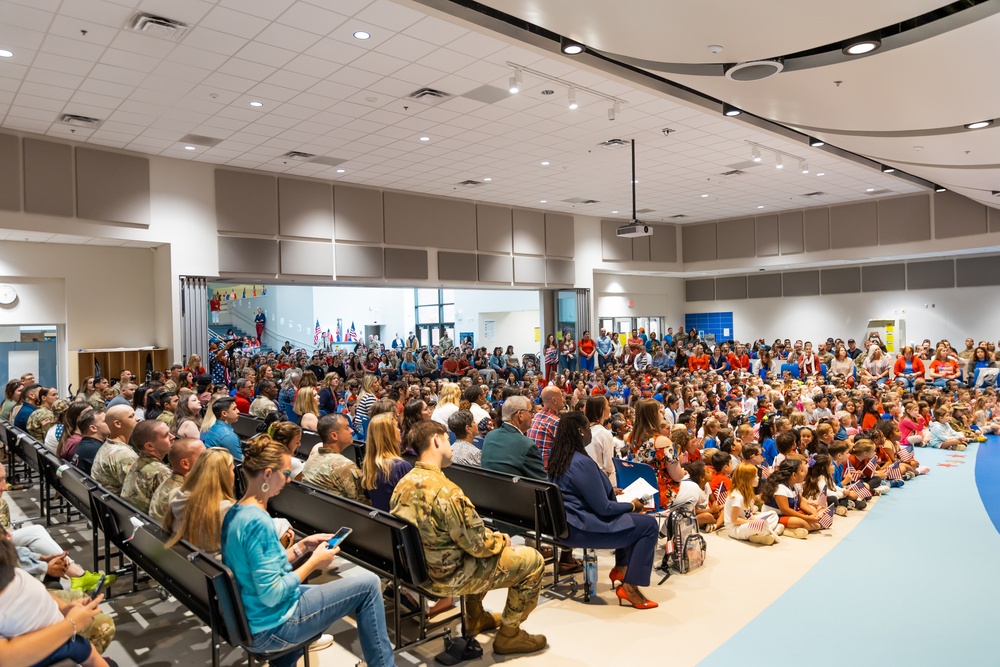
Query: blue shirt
pixel 769 450
pixel 604 345
pixel 264 577
pixel 21 421
pixel 222 435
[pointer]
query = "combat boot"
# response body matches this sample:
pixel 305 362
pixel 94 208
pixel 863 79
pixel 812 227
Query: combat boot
pixel 512 640
pixel 479 620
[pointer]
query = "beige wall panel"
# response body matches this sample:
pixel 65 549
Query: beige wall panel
pixel 955 215
pixel 529 232
pixel 48 178
pixel 700 242
pixel 699 289
pixel 496 269
pixel 854 225
pixel 256 256
pixel 816 229
pixel 640 247
pixel 735 238
pixel 560 272
pixel 495 228
pixel 405 264
pixel 904 219
pixel 800 283
pixel 993 215
pixel 357 214
pixel 529 270
pixel 305 208
pixel 358 261
pixel 790 239
pixel 421 222
pixel 246 202
pixel 306 258
pixel 613 248
pixel 559 237
pixel 663 244
pixel 766 233
pixel 112 186
pixel 10 172
pixel 461 266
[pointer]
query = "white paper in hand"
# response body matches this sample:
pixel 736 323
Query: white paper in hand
pixel 638 489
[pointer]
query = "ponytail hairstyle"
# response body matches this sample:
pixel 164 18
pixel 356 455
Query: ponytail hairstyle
pixel 262 452
pixel 818 470
pixel 788 467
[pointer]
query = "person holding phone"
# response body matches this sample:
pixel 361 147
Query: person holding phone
pixel 280 609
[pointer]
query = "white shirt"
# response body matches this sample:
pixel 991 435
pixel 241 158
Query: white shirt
pixel 442 412
pixel 735 499
pixel 25 606
pixel 602 449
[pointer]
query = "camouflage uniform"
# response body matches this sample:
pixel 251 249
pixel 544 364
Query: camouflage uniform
pixel 145 475
pixel 159 504
pixel 262 406
pixel 959 425
pixel 101 631
pixel 170 386
pixel 166 417
pixel 39 422
pixel 463 556
pixel 4 514
pixel 111 464
pixel 97 401
pixel 333 472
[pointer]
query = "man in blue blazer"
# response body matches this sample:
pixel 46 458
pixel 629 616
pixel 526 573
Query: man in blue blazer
pixel 507 449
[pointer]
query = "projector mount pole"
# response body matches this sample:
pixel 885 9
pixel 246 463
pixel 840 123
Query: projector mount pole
pixel 634 218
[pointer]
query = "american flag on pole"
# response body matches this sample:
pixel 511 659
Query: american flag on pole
pixel 861 489
pixel 852 473
pixel 759 524
pixel 317 333
pixel 337 332
pixel 721 494
pixel 904 455
pixel 893 472
pixel 870 467
pixel 352 334
pixel 826 517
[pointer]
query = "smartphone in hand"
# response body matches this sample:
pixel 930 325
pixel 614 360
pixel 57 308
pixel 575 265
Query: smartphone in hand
pixel 339 537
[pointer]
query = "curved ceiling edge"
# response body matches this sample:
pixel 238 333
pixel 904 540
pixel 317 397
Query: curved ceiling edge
pixel 895 134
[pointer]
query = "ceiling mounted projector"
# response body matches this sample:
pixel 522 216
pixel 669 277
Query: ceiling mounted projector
pixel 634 229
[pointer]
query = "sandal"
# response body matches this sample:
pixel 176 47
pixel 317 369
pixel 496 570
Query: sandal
pixel 710 528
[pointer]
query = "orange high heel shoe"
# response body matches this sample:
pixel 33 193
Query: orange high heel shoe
pixel 623 596
pixel 615 575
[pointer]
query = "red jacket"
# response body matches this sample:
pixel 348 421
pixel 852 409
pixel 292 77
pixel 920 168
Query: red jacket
pixel 899 367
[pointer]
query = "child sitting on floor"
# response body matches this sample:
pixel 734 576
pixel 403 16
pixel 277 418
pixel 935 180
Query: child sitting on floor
pixel 942 434
pixel 839 452
pixel 864 463
pixel 785 442
pixel 781 492
pixel 911 426
pixel 740 510
pixel 819 482
pixel 694 495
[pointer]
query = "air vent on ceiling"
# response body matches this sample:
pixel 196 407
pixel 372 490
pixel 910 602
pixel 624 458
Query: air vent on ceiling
pixel 580 200
pixel 470 183
pixel 80 121
pixel 645 210
pixel 299 155
pixel 328 161
pixel 429 96
pixel 200 140
pixel 876 193
pixel 678 216
pixel 814 194
pixel 734 172
pixel 486 94
pixel 158 26
pixel 612 144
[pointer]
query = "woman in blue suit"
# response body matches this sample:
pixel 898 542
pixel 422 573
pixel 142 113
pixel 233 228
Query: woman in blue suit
pixel 595 519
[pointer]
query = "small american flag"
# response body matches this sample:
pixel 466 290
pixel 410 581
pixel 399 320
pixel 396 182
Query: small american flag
pixel 721 494
pixel 862 490
pixel 317 333
pixel 852 472
pixel 826 517
pixel 759 525
pixel 352 334
pixel 765 471
pixel 904 455
pixel 893 472
pixel 870 467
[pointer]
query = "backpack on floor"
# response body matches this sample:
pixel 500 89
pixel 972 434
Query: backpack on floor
pixel 685 548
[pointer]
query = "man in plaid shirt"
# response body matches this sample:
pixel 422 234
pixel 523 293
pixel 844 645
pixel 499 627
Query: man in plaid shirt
pixel 543 425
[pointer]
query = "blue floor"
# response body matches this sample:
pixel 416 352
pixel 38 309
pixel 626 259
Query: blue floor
pixel 924 566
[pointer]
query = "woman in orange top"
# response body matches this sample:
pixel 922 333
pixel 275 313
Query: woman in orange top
pixel 699 360
pixel 587 349
pixel 943 368
pixel 908 368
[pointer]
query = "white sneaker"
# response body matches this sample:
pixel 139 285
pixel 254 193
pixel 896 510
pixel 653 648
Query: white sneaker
pixel 883 490
pixel 324 641
pixel 923 470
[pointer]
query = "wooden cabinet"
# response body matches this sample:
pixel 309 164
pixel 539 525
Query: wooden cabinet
pixel 111 363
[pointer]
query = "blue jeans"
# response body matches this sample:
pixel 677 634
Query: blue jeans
pixel 586 363
pixel 76 648
pixel 318 608
pixel 567 363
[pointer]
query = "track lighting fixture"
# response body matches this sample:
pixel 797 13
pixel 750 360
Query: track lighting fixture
pixel 804 167
pixel 816 143
pixel 570 47
pixel 755 154
pixel 886 169
pixel 571 96
pixel 614 110
pixel 730 110
pixel 778 164
pixel 515 82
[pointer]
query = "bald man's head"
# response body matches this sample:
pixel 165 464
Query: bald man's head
pixel 553 399
pixel 183 453
pixel 121 422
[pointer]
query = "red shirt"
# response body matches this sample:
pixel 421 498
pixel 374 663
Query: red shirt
pixel 742 362
pixel 698 363
pixel 242 404
pixel 718 479
pixel 587 346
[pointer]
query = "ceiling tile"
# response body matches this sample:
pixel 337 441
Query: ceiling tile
pixel 233 22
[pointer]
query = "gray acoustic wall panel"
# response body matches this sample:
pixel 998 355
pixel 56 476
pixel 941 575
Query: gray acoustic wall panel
pixel 977 271
pixel 731 287
pixel 239 255
pixel 357 214
pixel 767 236
pixel 800 283
pixel 816 229
pixel 700 289
pixel 306 258
pixel 10 172
pixel 663 244
pixel 358 261
pixel 883 278
pixel 48 178
pixel 112 186
pixel 559 272
pixel 993 215
pixel 405 264
pixel 764 285
pixel 614 249
pixel 699 242
pixel 930 275
pixel 529 232
pixel 458 266
pixel 841 281
pixel 559 235
pixel 640 248
pixel 413 220
pixel 955 215
pixel 790 238
pixel 305 209
pixel 494 225
pixel 904 219
pixel 735 238
pixel 246 202
pixel 496 269
pixel 529 270
pixel 854 225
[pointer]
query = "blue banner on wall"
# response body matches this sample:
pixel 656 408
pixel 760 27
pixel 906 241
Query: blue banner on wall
pixel 720 324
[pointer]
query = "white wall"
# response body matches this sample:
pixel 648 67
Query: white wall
pixel 364 305
pixel 515 312
pixel 513 328
pixel 650 296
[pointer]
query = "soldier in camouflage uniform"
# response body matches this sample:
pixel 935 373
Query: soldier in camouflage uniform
pixel 116 456
pixel 330 470
pixel 97 398
pixel 463 556
pixel 182 455
pixel 40 421
pixel 152 442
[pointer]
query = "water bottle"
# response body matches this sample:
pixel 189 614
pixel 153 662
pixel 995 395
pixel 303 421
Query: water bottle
pixel 590 571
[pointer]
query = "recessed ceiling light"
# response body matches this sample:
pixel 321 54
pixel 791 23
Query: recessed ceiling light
pixel 543 201
pixel 256 104
pixel 979 124
pixel 886 169
pixel 704 195
pixel 870 190
pixel 545 163
pixel 361 34
pixel 730 110
pixel 570 47
pixel 761 206
pixel 861 46
pixel 341 171
pixel 614 211
pixel 487 179
pixel 821 173
pixel 4 53
pixel 425 138
pixel 816 143
pixel 189 148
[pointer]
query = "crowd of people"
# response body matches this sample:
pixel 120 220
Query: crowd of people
pixel 760 441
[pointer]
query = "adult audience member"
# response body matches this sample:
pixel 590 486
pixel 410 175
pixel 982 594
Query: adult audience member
pixel 264 404
pixel 183 454
pixel 543 424
pixel 383 466
pixel 151 441
pixel 221 433
pixel 447 404
pixel 93 431
pixel 29 403
pixel 197 509
pixel 306 407
pixel 602 446
pixel 244 393
pixel 42 418
pixel 464 452
pixel 327 468
pixel 507 449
